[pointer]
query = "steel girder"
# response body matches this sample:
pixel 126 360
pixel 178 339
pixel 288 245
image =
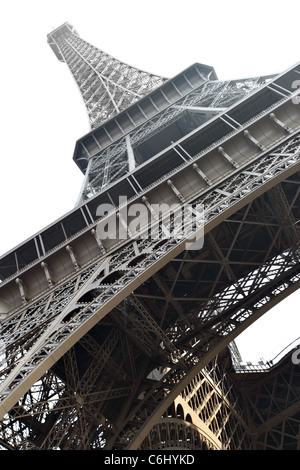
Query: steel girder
pixel 271 403
pixel 94 354
pixel 106 84
pixel 238 279
pixel 107 165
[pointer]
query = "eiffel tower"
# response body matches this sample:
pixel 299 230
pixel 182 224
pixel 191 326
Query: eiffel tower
pixel 125 338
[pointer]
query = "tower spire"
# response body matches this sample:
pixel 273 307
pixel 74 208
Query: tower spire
pixel 107 85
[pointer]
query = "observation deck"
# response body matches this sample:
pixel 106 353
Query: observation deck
pixel 54 36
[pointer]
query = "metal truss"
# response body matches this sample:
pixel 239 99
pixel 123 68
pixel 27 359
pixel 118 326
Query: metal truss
pixel 121 344
pixel 248 280
pixel 107 85
pixel 224 410
pixel 271 403
pixel 207 415
pixel 196 108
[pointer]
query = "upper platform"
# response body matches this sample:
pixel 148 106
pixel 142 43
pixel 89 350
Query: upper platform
pixel 53 37
pixel 141 111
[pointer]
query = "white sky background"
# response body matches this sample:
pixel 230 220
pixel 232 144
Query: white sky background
pixel 42 113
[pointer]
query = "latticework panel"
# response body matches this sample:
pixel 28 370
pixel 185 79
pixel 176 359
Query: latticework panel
pixel 272 401
pixel 208 414
pixel 84 401
pixel 107 85
pixel 176 434
pixel 215 400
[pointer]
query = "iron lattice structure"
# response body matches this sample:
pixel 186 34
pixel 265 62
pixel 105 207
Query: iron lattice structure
pixel 107 85
pixel 128 342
